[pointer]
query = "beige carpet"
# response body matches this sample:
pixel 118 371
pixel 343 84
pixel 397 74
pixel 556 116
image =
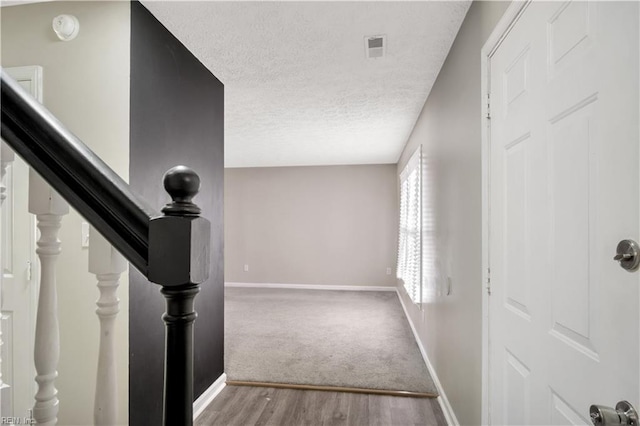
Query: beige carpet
pixel 353 339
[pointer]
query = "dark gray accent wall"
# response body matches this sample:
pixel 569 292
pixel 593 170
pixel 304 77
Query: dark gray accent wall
pixel 177 108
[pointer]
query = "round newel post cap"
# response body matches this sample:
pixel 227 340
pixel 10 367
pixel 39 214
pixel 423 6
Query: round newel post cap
pixel 182 184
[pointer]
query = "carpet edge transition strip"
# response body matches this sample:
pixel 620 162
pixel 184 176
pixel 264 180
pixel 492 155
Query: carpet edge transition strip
pixel 333 389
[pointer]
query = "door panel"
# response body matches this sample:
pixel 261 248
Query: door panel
pixel 572 201
pixel 517 391
pixel 564 325
pixel 516 238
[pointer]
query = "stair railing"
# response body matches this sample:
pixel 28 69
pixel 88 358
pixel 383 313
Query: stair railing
pixel 171 249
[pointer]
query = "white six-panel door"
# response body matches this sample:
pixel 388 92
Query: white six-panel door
pixel 563 191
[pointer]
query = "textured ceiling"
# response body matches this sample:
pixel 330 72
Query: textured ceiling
pixel 299 89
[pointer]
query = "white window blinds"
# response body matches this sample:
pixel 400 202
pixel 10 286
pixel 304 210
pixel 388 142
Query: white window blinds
pixel 409 241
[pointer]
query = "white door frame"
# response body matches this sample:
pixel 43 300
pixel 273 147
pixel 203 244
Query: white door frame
pixel 34 74
pixel 511 15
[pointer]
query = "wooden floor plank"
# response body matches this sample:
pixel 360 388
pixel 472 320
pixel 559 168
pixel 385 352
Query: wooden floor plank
pixel 244 409
pixel 379 410
pixel 358 409
pixel 252 406
pixel 327 402
pixel 437 411
pixel 275 407
pixel 412 412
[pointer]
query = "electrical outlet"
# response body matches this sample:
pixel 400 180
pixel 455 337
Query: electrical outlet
pixel 388 271
pixel 246 268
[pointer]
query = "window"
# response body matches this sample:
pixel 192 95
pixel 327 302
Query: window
pixel 409 240
pixel 431 264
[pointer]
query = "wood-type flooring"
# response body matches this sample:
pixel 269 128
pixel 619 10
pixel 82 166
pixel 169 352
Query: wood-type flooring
pixel 249 406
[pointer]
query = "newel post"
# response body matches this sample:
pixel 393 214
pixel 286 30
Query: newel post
pixel 179 262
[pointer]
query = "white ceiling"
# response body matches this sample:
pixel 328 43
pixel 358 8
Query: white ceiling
pixel 299 89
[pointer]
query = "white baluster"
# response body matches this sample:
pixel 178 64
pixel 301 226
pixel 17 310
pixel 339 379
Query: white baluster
pixel 49 207
pixel 107 264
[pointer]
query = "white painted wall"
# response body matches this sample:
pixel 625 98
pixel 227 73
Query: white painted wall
pixel 450 327
pixel 86 85
pixel 327 225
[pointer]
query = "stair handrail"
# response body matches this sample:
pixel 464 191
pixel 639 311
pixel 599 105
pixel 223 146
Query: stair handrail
pixel 170 248
pixel 75 172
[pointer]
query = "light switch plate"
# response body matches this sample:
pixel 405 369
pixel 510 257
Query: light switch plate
pixel 85 234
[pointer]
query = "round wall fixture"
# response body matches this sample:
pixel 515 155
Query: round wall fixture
pixel 66 27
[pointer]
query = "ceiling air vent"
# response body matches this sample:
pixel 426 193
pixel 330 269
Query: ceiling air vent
pixel 375 46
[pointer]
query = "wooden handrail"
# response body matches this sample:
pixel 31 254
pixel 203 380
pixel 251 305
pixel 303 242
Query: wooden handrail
pixel 76 172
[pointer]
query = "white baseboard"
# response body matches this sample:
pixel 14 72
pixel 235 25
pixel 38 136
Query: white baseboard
pixel 311 286
pixel 208 396
pixel 447 410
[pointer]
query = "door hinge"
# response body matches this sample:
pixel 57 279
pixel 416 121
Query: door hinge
pixel 488 106
pixel 489 281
